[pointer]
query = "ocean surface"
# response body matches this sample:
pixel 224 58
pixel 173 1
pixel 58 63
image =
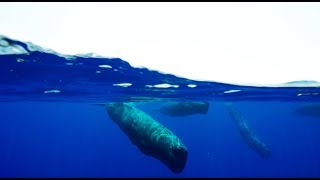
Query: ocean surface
pixel 54 123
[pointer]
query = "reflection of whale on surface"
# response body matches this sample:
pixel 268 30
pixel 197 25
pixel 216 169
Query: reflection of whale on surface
pixel 312 110
pixel 184 108
pixel 149 136
pixel 250 138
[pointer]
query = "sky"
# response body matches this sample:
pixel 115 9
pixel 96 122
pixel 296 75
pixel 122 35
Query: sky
pixel 239 43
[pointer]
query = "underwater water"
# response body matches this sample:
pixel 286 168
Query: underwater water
pixel 54 122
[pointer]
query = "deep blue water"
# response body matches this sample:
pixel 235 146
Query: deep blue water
pixel 65 134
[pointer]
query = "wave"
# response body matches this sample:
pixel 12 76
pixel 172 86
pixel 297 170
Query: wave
pixel 31 72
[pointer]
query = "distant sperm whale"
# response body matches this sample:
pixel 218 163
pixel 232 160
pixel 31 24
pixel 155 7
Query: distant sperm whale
pixel 310 109
pixel 247 134
pixel 152 138
pixel 185 108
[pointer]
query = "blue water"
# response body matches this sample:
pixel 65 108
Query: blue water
pixel 51 126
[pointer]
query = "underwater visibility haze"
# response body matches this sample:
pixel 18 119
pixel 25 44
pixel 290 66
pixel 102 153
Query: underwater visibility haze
pixel 91 116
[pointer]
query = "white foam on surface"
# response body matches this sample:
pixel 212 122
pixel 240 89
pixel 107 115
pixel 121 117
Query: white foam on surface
pixel 105 66
pixel 231 91
pixel 165 85
pixel 192 85
pixel 123 84
pixel 52 91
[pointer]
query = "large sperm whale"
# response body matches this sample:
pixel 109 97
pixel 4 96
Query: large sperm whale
pixel 152 138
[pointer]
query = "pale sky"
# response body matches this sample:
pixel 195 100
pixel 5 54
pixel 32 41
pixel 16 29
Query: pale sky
pixel 241 43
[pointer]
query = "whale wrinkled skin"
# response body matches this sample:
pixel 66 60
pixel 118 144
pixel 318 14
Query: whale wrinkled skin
pixel 152 138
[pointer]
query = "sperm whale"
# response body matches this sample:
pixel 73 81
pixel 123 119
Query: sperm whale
pixel 247 134
pixel 184 108
pixel 152 138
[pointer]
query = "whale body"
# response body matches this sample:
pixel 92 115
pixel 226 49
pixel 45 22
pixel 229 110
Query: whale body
pixel 310 109
pixel 152 138
pixel 247 134
pixel 184 108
